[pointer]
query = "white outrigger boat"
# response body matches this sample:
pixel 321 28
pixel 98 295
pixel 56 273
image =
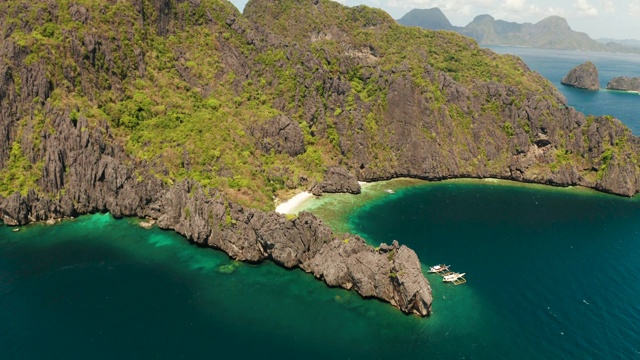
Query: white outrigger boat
pixel 439 268
pixel 389 191
pixel 455 278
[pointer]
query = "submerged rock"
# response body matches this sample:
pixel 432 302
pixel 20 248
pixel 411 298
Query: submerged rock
pixel 624 83
pixel 229 268
pixel 584 76
pixel 147 224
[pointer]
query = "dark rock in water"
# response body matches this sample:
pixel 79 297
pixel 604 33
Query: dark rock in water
pixel 337 180
pixel 584 76
pixel 624 83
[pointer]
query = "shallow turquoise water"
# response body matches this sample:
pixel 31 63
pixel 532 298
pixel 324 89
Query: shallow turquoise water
pixel 99 288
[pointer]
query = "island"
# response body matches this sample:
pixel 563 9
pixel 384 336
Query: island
pixel 197 116
pixel 624 83
pixel 583 76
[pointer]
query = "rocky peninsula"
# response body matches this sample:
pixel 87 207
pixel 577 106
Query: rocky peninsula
pixel 584 76
pixel 196 115
pixel 624 83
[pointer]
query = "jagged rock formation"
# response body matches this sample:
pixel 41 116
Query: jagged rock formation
pixel 583 76
pixel 280 134
pixel 393 275
pixel 195 115
pixel 624 83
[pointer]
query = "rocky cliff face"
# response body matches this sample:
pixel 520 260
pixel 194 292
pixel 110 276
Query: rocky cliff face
pixel 584 76
pixel 264 101
pixel 624 83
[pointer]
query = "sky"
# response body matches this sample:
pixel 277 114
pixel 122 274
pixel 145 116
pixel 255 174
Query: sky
pixel 617 19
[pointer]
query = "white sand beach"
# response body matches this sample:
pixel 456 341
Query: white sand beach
pixel 290 206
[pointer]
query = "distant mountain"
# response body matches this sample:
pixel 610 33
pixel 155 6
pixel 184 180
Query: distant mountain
pixel 433 19
pixel 623 42
pixel 552 32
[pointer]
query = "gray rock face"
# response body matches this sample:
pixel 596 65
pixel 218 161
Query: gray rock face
pixel 337 180
pixel 280 134
pixel 392 274
pixel 584 76
pixel 624 83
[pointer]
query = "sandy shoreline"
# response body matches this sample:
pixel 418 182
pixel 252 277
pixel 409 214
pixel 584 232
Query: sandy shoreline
pixel 291 206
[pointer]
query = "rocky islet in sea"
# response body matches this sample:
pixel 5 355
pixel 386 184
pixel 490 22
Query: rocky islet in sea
pixel 583 76
pixel 624 83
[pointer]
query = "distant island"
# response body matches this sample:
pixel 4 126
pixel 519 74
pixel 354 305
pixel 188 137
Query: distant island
pixel 585 76
pixel 552 32
pixel 624 83
pixel 625 42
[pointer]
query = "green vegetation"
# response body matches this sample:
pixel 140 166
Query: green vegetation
pixel 19 173
pixel 183 91
pixel 507 127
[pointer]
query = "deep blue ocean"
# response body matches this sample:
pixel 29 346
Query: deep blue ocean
pixel 552 273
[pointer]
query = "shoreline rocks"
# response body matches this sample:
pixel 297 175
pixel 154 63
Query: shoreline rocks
pixel 208 219
pixel 584 76
pixel 337 180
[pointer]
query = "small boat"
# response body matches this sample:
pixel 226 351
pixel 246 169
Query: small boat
pixel 438 268
pixel 389 191
pixel 16 230
pixel 453 277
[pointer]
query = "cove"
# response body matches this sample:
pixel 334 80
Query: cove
pixel 552 273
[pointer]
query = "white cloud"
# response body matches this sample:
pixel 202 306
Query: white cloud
pixel 608 6
pixel 514 5
pixel 451 5
pixel 585 9
pixel 634 9
pixel 525 13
